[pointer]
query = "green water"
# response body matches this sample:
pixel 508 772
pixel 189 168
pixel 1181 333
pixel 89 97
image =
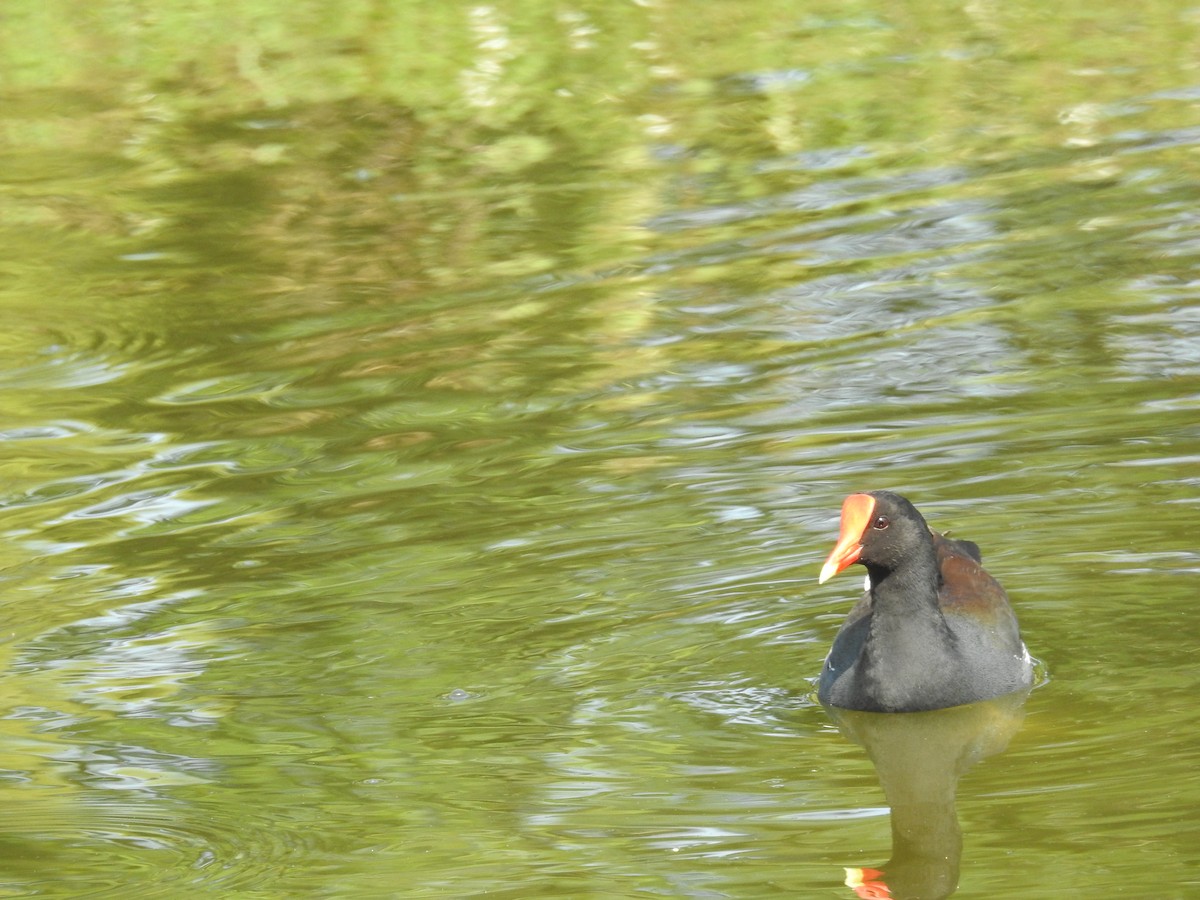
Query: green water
pixel 421 426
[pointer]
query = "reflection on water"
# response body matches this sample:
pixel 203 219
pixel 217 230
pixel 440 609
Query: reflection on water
pixel 920 758
pixel 415 453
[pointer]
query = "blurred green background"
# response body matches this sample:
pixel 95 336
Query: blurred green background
pixel 421 425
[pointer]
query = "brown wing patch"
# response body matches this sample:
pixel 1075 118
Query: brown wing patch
pixel 966 587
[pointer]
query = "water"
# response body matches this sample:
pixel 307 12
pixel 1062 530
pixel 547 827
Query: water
pixel 418 454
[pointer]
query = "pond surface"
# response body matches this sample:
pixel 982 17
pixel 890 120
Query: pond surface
pixel 422 428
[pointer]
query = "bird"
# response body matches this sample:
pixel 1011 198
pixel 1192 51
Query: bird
pixel 933 630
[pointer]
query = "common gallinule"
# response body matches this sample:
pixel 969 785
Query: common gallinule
pixel 933 629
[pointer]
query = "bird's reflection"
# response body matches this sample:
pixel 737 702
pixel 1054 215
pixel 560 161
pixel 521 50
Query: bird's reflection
pixel 919 758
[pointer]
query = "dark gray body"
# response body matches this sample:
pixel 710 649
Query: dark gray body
pixel 934 630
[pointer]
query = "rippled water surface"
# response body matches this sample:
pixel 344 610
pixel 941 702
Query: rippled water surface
pixel 421 427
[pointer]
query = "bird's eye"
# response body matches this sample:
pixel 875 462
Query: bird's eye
pixel 881 522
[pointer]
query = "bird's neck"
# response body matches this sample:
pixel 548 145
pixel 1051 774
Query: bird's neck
pixel 908 589
pixel 904 605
